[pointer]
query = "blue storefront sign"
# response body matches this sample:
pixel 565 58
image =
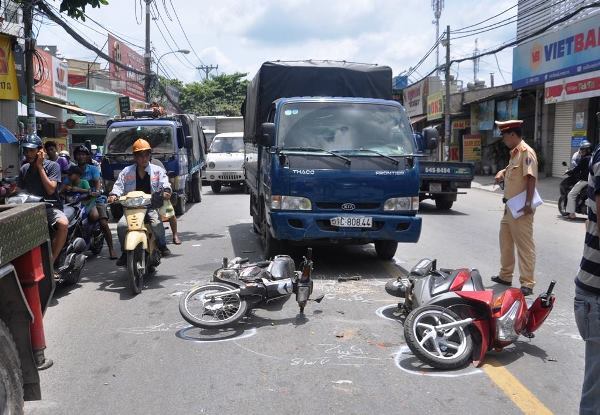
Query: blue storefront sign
pixel 570 51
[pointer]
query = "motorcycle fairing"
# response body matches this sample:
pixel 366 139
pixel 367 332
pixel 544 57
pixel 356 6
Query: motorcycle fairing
pixel 537 313
pixel 134 238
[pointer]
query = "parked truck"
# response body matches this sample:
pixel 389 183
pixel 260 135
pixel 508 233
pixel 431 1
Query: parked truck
pixel 329 157
pixel 218 124
pixel 26 288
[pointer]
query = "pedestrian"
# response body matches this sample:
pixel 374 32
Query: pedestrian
pixel 173 218
pixel 519 176
pixel 587 295
pixel 53 155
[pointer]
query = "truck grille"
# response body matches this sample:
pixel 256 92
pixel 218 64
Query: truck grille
pixel 338 206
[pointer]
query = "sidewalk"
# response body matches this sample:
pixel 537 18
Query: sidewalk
pixel 548 187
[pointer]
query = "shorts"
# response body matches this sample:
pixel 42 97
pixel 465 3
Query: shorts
pixel 54 215
pixel 102 210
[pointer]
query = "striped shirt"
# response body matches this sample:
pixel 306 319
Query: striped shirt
pixel 588 277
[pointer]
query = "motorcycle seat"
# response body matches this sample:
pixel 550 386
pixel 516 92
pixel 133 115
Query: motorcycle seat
pixel 70 212
pixel 477 281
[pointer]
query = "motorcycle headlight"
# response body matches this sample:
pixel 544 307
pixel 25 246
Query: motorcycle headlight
pixel 505 325
pixel 290 203
pixel 398 204
pixel 136 202
pixel 211 165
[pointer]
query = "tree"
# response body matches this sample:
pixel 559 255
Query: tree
pixel 220 95
pixel 76 8
pixel 158 93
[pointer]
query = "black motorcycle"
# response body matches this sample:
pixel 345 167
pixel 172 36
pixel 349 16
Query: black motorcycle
pixel 425 281
pixel 238 287
pixel 565 187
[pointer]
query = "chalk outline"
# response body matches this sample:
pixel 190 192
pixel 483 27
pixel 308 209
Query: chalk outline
pixel 181 334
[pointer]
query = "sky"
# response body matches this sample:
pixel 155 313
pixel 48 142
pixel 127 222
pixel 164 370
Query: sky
pixel 238 35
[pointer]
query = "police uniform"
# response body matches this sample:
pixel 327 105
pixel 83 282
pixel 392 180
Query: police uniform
pixel 517 232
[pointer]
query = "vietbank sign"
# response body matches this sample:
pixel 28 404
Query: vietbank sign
pixel 570 51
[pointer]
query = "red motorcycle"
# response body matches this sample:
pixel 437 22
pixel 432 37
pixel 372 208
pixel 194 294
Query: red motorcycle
pixel 458 327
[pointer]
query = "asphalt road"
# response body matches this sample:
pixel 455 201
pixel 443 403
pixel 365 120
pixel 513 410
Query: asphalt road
pixel 118 354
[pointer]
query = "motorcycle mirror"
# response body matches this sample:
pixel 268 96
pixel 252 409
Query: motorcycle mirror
pixel 564 163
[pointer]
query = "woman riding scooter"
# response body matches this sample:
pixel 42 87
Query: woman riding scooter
pixel 580 172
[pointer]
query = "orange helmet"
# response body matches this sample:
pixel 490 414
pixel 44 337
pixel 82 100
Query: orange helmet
pixel 141 145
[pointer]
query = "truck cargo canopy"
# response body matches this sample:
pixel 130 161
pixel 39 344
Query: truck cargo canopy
pixel 276 80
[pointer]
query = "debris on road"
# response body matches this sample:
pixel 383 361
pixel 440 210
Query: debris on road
pixel 344 279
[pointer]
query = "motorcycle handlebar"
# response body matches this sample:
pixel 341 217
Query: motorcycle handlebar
pixel 550 288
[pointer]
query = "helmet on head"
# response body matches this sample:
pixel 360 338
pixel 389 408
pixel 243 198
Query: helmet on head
pixel 81 149
pixel 32 141
pixel 64 153
pixel 141 145
pixel 585 145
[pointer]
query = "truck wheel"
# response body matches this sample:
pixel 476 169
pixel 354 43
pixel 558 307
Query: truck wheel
pixel 11 382
pixel 386 249
pixel 443 204
pixel 216 187
pixel 196 189
pixel 271 246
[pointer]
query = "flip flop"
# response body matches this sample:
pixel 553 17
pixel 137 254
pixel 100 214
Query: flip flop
pixel 177 242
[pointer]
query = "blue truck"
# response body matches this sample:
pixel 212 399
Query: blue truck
pixel 329 157
pixel 178 141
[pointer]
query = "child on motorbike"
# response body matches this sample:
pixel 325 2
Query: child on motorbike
pixel 75 187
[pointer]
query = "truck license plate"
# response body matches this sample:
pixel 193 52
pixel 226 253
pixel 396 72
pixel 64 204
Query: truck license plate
pixel 435 187
pixel 352 222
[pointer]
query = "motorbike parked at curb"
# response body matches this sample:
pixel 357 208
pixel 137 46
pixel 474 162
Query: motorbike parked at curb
pixel 238 287
pixel 425 281
pixel 565 187
pixel 141 248
pixel 458 327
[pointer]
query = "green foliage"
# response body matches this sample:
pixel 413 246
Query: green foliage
pixel 76 8
pixel 219 95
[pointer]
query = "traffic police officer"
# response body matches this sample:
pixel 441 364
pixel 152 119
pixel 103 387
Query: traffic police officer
pixel 520 175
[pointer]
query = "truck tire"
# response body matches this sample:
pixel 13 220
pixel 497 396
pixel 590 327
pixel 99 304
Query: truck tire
pixel 216 187
pixel 386 249
pixel 442 203
pixel 11 381
pixel 196 192
pixel 271 246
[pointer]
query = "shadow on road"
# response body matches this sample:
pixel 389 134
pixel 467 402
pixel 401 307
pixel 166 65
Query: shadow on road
pixel 117 281
pixel 429 209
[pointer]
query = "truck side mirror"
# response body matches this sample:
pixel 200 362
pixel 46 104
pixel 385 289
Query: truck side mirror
pixel 430 137
pixel 267 138
pixel 421 147
pixel 189 142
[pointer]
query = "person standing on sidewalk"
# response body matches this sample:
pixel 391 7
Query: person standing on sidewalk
pixel 587 295
pixel 520 175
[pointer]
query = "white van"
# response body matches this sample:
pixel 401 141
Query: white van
pixel 225 161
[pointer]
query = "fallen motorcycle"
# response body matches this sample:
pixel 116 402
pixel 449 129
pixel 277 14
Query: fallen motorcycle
pixel 239 287
pixel 425 281
pixel 458 327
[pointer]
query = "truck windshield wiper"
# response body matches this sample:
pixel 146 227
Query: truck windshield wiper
pixel 393 160
pixel 315 149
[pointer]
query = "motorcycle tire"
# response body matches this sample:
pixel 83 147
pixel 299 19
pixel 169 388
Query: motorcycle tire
pixel 186 306
pixel 97 243
pixel 562 206
pixel 136 268
pixel 11 380
pixel 437 353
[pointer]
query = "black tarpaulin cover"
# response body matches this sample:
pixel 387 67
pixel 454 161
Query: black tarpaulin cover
pixel 276 80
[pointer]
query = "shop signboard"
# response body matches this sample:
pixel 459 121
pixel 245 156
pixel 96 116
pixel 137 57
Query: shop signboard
pixel 573 50
pixel 126 82
pixel 577 136
pixel 461 124
pixel 413 98
pixel 54 75
pixel 435 106
pixel 572 88
pixel 472 147
pixel 486 115
pixel 9 87
pixel 507 110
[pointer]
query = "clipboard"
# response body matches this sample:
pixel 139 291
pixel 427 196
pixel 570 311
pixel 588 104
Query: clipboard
pixel 517 202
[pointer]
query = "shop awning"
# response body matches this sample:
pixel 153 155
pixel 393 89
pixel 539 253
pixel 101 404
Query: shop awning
pixel 6 137
pixel 418 118
pixel 71 108
pixel 38 114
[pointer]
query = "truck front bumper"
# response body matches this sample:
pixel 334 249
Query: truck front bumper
pixel 223 176
pixel 299 226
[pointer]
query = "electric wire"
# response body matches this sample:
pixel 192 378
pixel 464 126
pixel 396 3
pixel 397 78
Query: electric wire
pixel 159 16
pixel 184 33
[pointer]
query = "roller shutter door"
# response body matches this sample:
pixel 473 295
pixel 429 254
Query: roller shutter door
pixel 563 129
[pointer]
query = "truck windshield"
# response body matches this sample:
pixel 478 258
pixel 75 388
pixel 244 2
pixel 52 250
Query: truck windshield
pixel 227 145
pixel 344 127
pixel 120 139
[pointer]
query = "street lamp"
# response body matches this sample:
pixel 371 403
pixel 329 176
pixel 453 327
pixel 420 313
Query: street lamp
pixel 183 51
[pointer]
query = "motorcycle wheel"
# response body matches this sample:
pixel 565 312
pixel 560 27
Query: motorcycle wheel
pixel 205 313
pixel 562 206
pixel 445 349
pixel 136 268
pixel 97 242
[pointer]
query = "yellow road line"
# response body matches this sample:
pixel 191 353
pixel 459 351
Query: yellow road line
pixel 522 397
pixel 525 400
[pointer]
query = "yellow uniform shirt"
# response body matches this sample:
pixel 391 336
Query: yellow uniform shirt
pixel 523 163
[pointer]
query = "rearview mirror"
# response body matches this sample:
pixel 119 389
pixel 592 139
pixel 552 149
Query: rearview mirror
pixel 189 141
pixel 431 136
pixel 421 147
pixel 267 138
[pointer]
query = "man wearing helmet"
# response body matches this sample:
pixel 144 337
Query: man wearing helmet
pixel 580 172
pixel 148 178
pixel 40 177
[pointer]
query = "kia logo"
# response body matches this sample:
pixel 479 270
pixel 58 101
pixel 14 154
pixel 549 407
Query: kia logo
pixel 348 206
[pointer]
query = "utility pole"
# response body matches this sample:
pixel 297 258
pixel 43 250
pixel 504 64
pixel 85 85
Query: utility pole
pixel 437 6
pixel 207 69
pixel 446 138
pixel 147 53
pixel 29 52
pixel 475 62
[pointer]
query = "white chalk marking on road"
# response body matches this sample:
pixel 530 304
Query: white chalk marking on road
pixel 254 351
pixel 197 245
pixel 341 382
pixel 247 333
pixel 405 353
pixel 380 311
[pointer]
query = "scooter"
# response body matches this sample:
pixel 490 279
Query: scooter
pixel 458 327
pixel 89 231
pixel 238 287
pixel 143 255
pixel 425 281
pixel 565 187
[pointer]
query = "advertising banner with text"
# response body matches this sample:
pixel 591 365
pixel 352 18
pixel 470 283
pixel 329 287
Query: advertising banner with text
pixel 126 82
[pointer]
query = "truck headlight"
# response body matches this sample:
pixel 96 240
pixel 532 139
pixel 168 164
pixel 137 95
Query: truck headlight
pixel 290 203
pixel 397 204
pixel 211 165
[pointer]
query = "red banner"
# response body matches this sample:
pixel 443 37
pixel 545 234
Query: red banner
pixel 126 82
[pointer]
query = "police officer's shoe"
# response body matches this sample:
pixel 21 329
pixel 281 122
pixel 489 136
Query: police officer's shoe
pixel 499 280
pixel 526 291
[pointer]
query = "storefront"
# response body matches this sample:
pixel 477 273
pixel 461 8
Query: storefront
pixel 9 99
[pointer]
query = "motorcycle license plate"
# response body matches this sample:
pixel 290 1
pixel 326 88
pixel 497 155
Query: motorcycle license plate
pixel 435 187
pixel 352 222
